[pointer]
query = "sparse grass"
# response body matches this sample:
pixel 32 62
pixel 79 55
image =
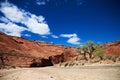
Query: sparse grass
pixel 80 61
pixel 99 57
pixel 7 67
pixel 114 58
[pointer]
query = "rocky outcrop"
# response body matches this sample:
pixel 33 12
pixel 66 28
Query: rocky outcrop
pixel 16 51
pixel 112 48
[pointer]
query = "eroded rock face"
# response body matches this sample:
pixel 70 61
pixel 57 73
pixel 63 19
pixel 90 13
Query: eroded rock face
pixel 16 51
pixel 112 48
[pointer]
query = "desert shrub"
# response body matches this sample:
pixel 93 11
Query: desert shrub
pixel 71 63
pixel 5 66
pixel 99 53
pixel 115 58
pixel 66 64
pixel 63 64
pixel 60 64
pixel 85 50
pixel 2 66
pixel 118 58
pixel 80 57
pixel 13 67
pixel 78 50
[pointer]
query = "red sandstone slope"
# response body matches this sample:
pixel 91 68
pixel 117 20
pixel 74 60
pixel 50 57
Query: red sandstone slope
pixel 112 48
pixel 17 51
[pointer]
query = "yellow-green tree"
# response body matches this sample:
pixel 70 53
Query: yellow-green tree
pixel 99 52
pixel 85 49
pixel 88 47
pixel 91 48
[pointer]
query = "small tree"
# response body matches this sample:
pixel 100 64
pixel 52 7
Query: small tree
pixel 91 48
pixel 99 52
pixel 85 49
pixel 88 47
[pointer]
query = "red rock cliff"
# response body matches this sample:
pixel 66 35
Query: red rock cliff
pixel 16 51
pixel 112 48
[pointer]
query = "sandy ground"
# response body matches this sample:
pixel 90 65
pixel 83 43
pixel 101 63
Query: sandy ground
pixel 93 72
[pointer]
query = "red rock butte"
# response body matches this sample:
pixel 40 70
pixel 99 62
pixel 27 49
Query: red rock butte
pixel 16 51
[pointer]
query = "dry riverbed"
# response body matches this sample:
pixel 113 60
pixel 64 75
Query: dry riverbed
pixel 87 72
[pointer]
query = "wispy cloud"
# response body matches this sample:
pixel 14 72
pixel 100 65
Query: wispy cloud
pixel 28 35
pixel 41 2
pixel 13 15
pixel 4 19
pixel 68 35
pixel 54 36
pixel 72 38
pixel 44 36
pixel 57 2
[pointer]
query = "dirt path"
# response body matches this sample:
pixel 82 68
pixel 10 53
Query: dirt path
pixel 57 73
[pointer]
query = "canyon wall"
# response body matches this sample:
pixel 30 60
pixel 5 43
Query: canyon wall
pixel 16 51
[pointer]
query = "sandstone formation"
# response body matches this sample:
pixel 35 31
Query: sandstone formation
pixel 112 48
pixel 16 51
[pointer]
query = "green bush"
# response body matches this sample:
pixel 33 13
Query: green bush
pixel 99 53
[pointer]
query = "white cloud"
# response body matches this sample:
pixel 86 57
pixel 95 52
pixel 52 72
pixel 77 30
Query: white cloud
pixel 12 12
pixel 37 26
pixel 12 29
pixel 68 35
pixel 28 35
pixel 34 24
pixel 72 38
pixel 54 36
pixel 5 20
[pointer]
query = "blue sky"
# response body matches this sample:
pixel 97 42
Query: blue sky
pixel 66 22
